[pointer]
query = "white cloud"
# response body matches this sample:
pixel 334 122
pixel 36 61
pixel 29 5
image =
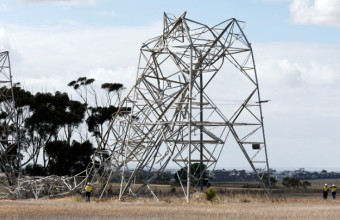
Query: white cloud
pixel 57 55
pixel 298 64
pixel 292 73
pixel 319 12
pixel 64 2
pixel 301 80
pixel 5 45
pixel 3 40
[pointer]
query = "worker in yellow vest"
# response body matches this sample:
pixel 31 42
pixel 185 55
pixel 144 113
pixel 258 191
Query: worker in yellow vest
pixel 88 190
pixel 333 190
pixel 325 191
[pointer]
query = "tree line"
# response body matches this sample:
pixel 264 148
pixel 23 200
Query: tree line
pixel 55 134
pixel 221 175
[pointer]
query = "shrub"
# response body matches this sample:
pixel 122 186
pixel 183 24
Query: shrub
pixel 306 184
pixel 265 179
pixel 294 182
pixel 210 194
pixel 291 181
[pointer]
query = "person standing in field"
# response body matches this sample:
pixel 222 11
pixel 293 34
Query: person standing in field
pixel 88 189
pixel 333 190
pixel 325 191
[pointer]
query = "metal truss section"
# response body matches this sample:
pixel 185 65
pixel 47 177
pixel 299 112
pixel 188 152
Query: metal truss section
pixel 173 119
pixel 45 187
pixel 9 155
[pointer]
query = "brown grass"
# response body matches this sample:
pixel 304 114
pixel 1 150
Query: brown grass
pixel 225 207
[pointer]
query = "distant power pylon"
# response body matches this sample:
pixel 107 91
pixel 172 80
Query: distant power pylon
pixel 9 151
pixel 172 119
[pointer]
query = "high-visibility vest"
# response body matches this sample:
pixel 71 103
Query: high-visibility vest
pixel 88 188
pixel 333 188
pixel 325 188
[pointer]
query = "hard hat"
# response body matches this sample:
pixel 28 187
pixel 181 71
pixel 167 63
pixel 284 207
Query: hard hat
pixel 325 184
pixel 333 185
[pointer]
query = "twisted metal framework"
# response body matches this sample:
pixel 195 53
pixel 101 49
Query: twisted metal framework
pixel 169 118
pixel 172 118
pixel 45 187
pixel 9 155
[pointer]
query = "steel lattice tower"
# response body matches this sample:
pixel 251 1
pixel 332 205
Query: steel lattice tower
pixel 9 152
pixel 172 118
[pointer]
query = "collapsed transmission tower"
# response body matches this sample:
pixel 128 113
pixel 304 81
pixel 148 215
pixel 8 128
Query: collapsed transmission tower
pixel 171 116
pixel 9 152
pixel 173 119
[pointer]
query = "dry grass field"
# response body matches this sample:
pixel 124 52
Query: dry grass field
pixel 170 207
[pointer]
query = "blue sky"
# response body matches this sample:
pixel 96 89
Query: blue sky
pixel 296 45
pixel 266 20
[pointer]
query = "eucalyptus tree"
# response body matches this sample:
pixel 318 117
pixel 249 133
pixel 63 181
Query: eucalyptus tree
pixel 101 105
pixel 68 159
pixel 54 118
